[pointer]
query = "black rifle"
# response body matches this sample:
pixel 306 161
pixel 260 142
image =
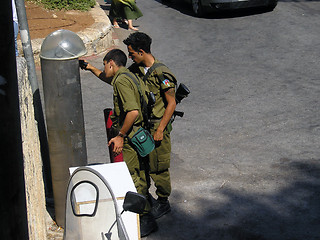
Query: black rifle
pixel 181 93
pixel 151 102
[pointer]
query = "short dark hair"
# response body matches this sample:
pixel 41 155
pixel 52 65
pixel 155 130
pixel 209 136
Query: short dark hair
pixel 139 40
pixel 118 56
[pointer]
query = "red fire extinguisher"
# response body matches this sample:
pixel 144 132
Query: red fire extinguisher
pixel 107 113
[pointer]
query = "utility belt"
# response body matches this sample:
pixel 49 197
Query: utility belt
pixel 156 121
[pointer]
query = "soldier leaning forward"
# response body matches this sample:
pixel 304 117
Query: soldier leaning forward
pixel 127 119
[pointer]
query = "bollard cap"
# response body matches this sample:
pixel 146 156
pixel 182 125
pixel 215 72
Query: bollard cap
pixel 62 45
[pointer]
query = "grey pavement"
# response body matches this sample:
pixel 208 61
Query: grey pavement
pixel 245 162
pixel 245 158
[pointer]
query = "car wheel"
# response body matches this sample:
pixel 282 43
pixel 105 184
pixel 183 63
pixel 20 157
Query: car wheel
pixel 197 7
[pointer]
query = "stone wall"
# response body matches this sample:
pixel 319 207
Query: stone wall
pixel 98 37
pixel 35 195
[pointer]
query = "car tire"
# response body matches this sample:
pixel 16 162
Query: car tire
pixel 272 4
pixel 197 8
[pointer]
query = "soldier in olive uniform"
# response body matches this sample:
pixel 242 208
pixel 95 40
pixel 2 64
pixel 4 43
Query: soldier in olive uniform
pixel 126 119
pixel 159 80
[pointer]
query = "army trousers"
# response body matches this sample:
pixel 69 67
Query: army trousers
pixel 138 167
pixel 159 162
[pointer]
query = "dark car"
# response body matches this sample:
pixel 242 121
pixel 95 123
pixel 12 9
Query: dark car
pixel 200 7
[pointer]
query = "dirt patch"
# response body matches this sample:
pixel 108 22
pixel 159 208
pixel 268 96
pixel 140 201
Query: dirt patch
pixel 42 21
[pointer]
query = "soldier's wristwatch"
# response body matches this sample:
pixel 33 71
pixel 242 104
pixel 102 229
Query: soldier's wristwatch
pixel 121 134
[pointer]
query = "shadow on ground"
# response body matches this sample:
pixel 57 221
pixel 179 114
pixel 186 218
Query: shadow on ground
pixel 292 212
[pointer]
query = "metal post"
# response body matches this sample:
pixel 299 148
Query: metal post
pixel 64 112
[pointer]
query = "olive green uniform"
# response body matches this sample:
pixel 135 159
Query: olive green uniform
pixel 160 156
pixel 126 98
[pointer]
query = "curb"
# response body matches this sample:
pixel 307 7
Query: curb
pixel 96 38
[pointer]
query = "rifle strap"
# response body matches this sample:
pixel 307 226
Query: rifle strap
pixel 151 69
pixel 143 102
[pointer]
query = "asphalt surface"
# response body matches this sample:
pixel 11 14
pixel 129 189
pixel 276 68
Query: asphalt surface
pixel 245 157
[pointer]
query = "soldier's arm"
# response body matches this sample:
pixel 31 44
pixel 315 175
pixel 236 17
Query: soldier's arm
pixel 171 100
pixel 97 72
pixel 128 122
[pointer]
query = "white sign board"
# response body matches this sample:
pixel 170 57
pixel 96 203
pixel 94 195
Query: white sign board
pixel 119 178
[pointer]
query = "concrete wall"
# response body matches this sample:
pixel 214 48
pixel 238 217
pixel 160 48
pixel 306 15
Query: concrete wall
pixel 96 38
pixel 35 196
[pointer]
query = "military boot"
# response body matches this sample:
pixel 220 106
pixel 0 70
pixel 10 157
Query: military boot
pixel 160 207
pixel 148 224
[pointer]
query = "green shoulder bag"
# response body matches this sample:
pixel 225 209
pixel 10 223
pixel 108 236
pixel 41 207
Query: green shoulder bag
pixel 143 142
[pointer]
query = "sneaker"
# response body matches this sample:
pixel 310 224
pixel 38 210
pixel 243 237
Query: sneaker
pixel 160 208
pixel 147 225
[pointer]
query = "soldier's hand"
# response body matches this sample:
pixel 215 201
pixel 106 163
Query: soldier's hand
pixel 158 135
pixel 83 64
pixel 117 144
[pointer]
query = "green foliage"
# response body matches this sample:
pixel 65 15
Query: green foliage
pixel 83 5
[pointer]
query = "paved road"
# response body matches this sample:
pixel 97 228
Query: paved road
pixel 245 158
